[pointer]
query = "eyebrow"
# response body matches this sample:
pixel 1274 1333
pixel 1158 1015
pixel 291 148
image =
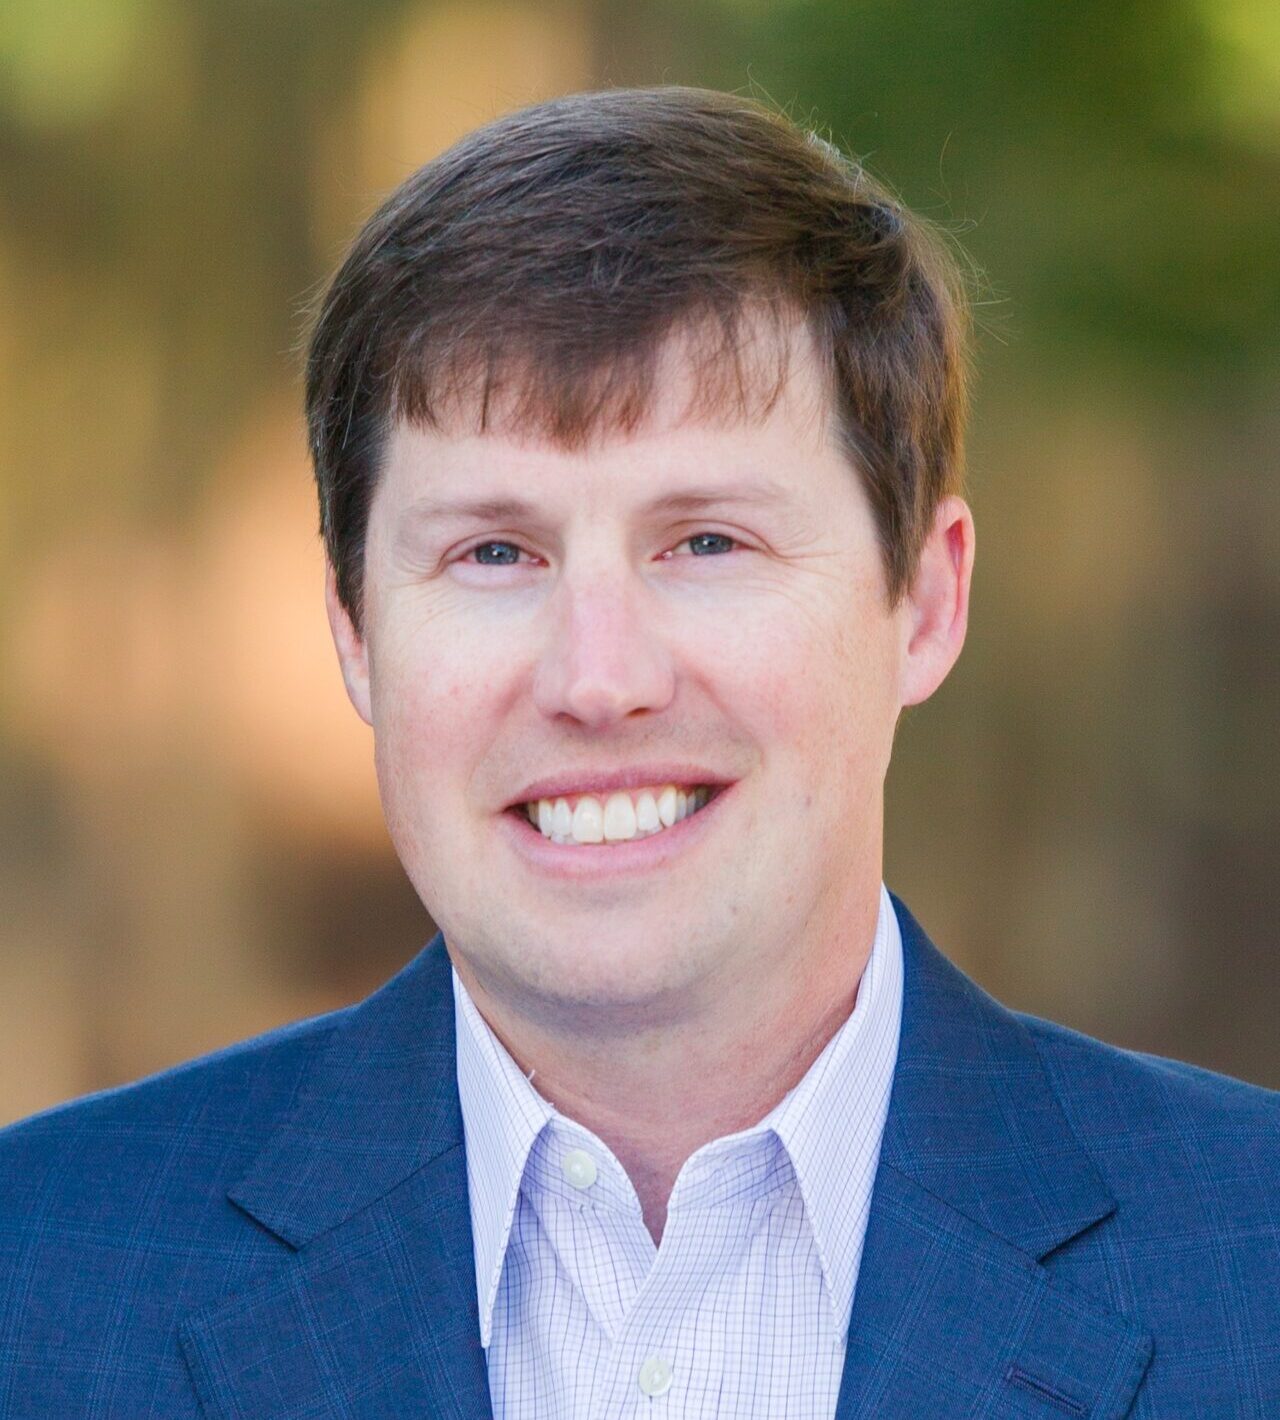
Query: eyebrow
pixel 686 500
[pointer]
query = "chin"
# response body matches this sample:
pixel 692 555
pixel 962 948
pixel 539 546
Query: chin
pixel 596 971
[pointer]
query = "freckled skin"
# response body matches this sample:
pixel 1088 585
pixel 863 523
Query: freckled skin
pixel 776 661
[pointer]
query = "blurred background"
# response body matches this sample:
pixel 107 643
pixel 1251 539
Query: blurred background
pixel 1087 815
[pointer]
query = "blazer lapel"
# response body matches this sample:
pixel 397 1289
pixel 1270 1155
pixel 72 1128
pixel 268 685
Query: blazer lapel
pixel 980 1178
pixel 371 1310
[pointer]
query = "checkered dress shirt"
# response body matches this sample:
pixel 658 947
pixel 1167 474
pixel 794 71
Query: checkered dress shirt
pixel 743 1310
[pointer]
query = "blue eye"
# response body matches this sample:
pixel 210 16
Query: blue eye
pixel 703 538
pixel 499 562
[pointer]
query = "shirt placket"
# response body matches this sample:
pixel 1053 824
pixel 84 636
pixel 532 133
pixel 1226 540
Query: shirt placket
pixel 656 1368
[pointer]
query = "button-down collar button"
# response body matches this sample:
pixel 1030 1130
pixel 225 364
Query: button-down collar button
pixel 579 1168
pixel 655 1376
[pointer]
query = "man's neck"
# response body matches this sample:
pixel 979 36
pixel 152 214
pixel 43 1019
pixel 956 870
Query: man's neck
pixel 655 1097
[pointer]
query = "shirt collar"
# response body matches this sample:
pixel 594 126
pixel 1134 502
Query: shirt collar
pixel 830 1124
pixel 502 1116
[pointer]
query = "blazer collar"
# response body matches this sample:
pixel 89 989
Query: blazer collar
pixel 973 1118
pixel 980 1177
pixel 379 1103
pixel 370 1308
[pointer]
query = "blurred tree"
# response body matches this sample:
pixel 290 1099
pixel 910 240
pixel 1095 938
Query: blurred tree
pixel 1096 154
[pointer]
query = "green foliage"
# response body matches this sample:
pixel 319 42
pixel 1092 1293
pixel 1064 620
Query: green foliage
pixel 1097 157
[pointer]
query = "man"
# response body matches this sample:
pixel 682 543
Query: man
pixel 636 420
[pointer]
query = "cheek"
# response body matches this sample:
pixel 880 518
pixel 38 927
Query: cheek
pixel 815 687
pixel 428 711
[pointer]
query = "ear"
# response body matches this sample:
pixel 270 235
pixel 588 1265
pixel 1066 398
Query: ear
pixel 353 654
pixel 935 610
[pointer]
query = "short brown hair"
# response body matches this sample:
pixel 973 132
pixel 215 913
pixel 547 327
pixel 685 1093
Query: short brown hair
pixel 544 259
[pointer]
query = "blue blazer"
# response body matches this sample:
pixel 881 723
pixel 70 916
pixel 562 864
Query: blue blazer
pixel 281 1231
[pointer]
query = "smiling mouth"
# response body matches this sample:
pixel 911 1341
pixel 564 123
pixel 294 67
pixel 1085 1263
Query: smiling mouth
pixel 619 817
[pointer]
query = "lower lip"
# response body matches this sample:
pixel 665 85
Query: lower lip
pixel 631 857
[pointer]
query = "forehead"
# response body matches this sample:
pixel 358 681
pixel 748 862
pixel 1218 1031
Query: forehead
pixel 701 418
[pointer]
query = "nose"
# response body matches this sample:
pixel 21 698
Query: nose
pixel 605 657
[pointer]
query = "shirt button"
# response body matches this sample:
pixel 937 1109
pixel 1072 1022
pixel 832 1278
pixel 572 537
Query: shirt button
pixel 579 1168
pixel 655 1376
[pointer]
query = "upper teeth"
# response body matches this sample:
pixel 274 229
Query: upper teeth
pixel 624 814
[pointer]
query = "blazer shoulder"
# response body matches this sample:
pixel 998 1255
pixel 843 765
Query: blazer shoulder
pixel 1191 1250
pixel 1080 1063
pixel 221 1104
pixel 1198 1148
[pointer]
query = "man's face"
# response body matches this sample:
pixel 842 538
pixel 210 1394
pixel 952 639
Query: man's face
pixel 740 638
